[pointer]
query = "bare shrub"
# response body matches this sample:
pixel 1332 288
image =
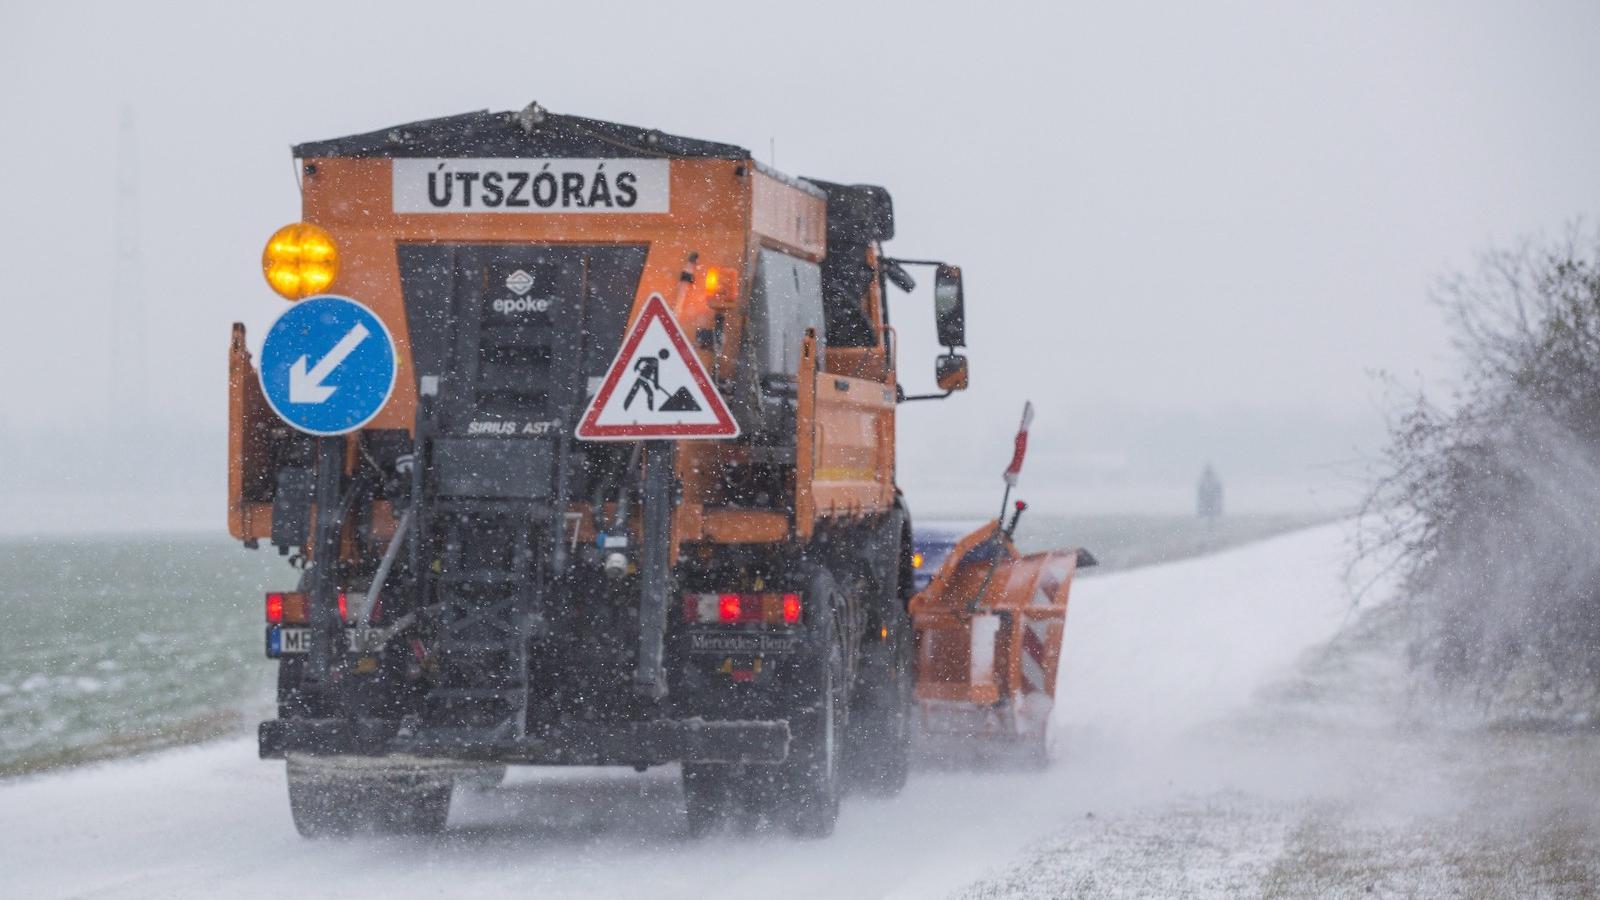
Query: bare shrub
pixel 1492 508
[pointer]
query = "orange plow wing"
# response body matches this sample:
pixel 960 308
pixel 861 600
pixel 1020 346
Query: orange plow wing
pixel 988 633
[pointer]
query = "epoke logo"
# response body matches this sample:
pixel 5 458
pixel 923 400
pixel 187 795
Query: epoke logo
pixel 519 282
pixel 508 305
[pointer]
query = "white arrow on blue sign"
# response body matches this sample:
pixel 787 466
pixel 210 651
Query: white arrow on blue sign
pixel 327 365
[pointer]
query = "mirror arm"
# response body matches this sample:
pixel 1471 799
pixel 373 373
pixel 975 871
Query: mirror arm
pixel 900 396
pixel 897 274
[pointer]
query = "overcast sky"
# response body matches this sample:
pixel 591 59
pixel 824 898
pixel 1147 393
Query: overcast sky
pixel 1189 231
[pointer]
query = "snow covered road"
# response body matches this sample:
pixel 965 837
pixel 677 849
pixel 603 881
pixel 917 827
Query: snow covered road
pixel 1153 658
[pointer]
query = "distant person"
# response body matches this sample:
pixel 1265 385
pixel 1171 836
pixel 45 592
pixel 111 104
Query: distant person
pixel 1208 497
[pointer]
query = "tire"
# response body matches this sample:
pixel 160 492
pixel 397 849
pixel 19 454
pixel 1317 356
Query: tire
pixel 709 798
pixel 811 781
pixel 335 804
pixel 881 720
pixel 879 761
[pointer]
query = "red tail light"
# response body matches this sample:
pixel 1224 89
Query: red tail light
pixel 735 609
pixel 344 608
pixel 294 608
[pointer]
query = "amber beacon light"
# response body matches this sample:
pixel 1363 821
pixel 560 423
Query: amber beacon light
pixel 300 260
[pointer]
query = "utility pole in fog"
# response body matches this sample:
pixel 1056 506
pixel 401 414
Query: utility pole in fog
pixel 129 386
pixel 1208 495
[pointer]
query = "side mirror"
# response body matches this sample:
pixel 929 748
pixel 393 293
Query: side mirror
pixel 898 276
pixel 950 371
pixel 949 307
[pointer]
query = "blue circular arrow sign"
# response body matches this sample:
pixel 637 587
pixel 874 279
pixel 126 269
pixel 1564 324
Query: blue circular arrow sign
pixel 327 365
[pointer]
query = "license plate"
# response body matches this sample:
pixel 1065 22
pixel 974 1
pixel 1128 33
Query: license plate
pixel 742 643
pixel 287 641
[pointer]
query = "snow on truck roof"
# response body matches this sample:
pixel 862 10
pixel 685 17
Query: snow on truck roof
pixel 531 132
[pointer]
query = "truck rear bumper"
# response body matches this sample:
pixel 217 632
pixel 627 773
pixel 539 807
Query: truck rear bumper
pixel 631 744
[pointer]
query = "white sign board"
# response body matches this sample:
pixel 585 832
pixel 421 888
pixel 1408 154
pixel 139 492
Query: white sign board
pixel 656 387
pixel 532 185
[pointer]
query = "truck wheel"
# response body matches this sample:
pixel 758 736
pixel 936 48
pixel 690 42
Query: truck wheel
pixel 330 804
pixel 879 759
pixel 810 782
pixel 709 800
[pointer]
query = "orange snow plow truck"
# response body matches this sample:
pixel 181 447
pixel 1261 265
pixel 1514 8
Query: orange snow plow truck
pixel 581 437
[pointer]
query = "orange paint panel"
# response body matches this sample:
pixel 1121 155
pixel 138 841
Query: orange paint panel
pixel 739 526
pixel 853 453
pixel 805 455
pixel 787 217
pixel 249 475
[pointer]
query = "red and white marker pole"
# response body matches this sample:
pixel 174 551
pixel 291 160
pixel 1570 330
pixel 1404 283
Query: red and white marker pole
pixel 1018 452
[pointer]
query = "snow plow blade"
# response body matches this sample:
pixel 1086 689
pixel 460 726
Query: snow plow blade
pixel 988 636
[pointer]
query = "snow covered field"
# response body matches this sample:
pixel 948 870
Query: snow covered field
pixel 1225 726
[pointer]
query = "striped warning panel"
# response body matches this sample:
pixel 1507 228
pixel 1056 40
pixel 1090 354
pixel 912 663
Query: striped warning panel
pixel 1036 632
pixel 1051 576
pixel 1035 638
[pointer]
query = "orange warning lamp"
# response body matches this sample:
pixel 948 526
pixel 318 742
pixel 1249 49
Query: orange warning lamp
pixel 300 260
pixel 719 284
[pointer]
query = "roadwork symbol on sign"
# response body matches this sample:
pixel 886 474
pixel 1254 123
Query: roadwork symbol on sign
pixel 327 365
pixel 656 387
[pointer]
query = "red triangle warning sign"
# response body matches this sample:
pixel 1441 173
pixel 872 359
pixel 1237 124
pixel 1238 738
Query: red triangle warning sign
pixel 656 387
